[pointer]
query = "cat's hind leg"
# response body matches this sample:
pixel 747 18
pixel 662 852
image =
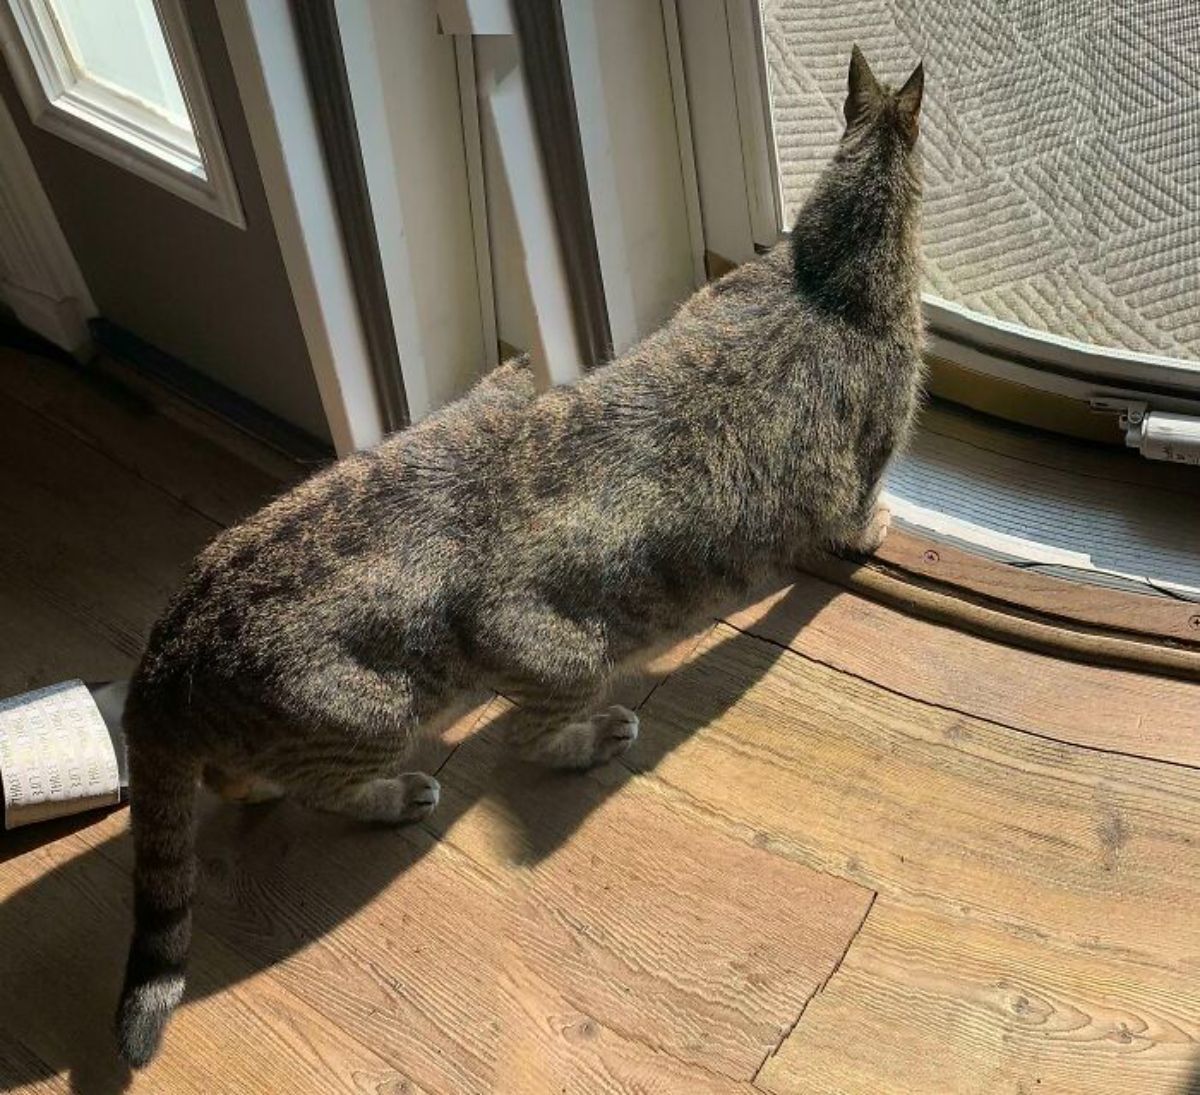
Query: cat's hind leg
pixel 876 529
pixel 553 668
pixel 353 756
pixel 386 799
pixel 869 529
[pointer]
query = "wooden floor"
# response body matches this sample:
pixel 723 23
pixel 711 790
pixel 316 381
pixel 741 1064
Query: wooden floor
pixel 852 852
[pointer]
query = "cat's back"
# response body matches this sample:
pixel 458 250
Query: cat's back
pixel 385 537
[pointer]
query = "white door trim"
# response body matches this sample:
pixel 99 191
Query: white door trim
pixel 683 133
pixel 39 278
pixel 556 356
pixel 266 60
pixel 468 97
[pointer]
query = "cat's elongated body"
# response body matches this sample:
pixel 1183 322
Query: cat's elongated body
pixel 531 544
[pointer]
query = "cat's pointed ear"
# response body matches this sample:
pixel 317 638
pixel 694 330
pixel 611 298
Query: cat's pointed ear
pixel 908 102
pixel 862 88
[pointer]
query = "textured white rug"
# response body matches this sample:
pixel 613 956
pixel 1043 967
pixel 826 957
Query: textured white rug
pixel 1061 142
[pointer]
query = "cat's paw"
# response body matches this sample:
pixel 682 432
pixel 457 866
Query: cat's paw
pixel 613 732
pixel 407 798
pixel 876 531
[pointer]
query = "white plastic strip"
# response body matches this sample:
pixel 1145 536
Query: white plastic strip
pixel 56 755
pixel 1017 547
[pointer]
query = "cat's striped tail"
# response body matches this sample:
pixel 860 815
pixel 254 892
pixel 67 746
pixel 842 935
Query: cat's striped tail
pixel 162 789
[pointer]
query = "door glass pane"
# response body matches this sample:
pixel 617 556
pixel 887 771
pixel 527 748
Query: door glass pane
pixel 120 43
pixel 1061 145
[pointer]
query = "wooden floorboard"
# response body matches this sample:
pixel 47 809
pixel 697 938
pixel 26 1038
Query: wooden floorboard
pixel 130 431
pixel 550 1046
pixel 42 642
pixel 1135 713
pixel 64 913
pixel 917 801
pixel 1076 603
pixel 659 945
pixel 660 925
pixel 937 1002
pixel 852 851
pixel 101 545
pixel 388 935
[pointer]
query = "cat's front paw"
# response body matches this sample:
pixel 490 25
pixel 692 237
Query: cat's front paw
pixel 407 798
pixel 614 732
pixel 876 531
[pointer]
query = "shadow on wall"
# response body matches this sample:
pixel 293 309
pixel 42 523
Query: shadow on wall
pixel 276 878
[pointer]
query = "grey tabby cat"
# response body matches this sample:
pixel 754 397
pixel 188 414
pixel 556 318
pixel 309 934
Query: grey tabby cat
pixel 529 544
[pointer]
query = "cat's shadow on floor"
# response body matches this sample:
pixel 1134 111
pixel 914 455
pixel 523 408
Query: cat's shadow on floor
pixel 276 878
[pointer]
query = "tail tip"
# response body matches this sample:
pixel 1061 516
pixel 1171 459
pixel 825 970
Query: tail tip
pixel 142 1018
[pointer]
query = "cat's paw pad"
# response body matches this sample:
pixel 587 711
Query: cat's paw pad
pixel 410 797
pixel 615 731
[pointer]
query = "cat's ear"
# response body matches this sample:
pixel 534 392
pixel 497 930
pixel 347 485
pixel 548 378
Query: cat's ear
pixel 908 103
pixel 862 88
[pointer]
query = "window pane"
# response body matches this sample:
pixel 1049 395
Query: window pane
pixel 1061 143
pixel 121 43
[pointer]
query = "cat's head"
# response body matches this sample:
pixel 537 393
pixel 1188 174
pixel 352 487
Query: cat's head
pixel 855 239
pixel 873 109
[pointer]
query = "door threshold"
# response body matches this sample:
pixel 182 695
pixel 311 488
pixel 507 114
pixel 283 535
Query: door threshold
pixel 1077 511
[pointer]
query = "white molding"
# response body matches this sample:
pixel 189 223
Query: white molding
pixel 468 96
pixel 683 131
pixel 1091 391
pixel 608 220
pixel 400 269
pixel 1016 342
pixel 39 278
pixel 752 89
pixel 711 90
pixel 406 83
pixel 650 251
pixel 267 66
pixel 556 356
pixel 475 17
pixel 99 119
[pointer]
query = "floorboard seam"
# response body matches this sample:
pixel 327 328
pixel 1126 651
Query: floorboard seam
pixel 683 664
pixel 785 1035
pixel 952 710
pixel 128 469
pixel 50 1072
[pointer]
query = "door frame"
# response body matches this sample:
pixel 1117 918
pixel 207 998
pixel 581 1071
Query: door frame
pixel 268 67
